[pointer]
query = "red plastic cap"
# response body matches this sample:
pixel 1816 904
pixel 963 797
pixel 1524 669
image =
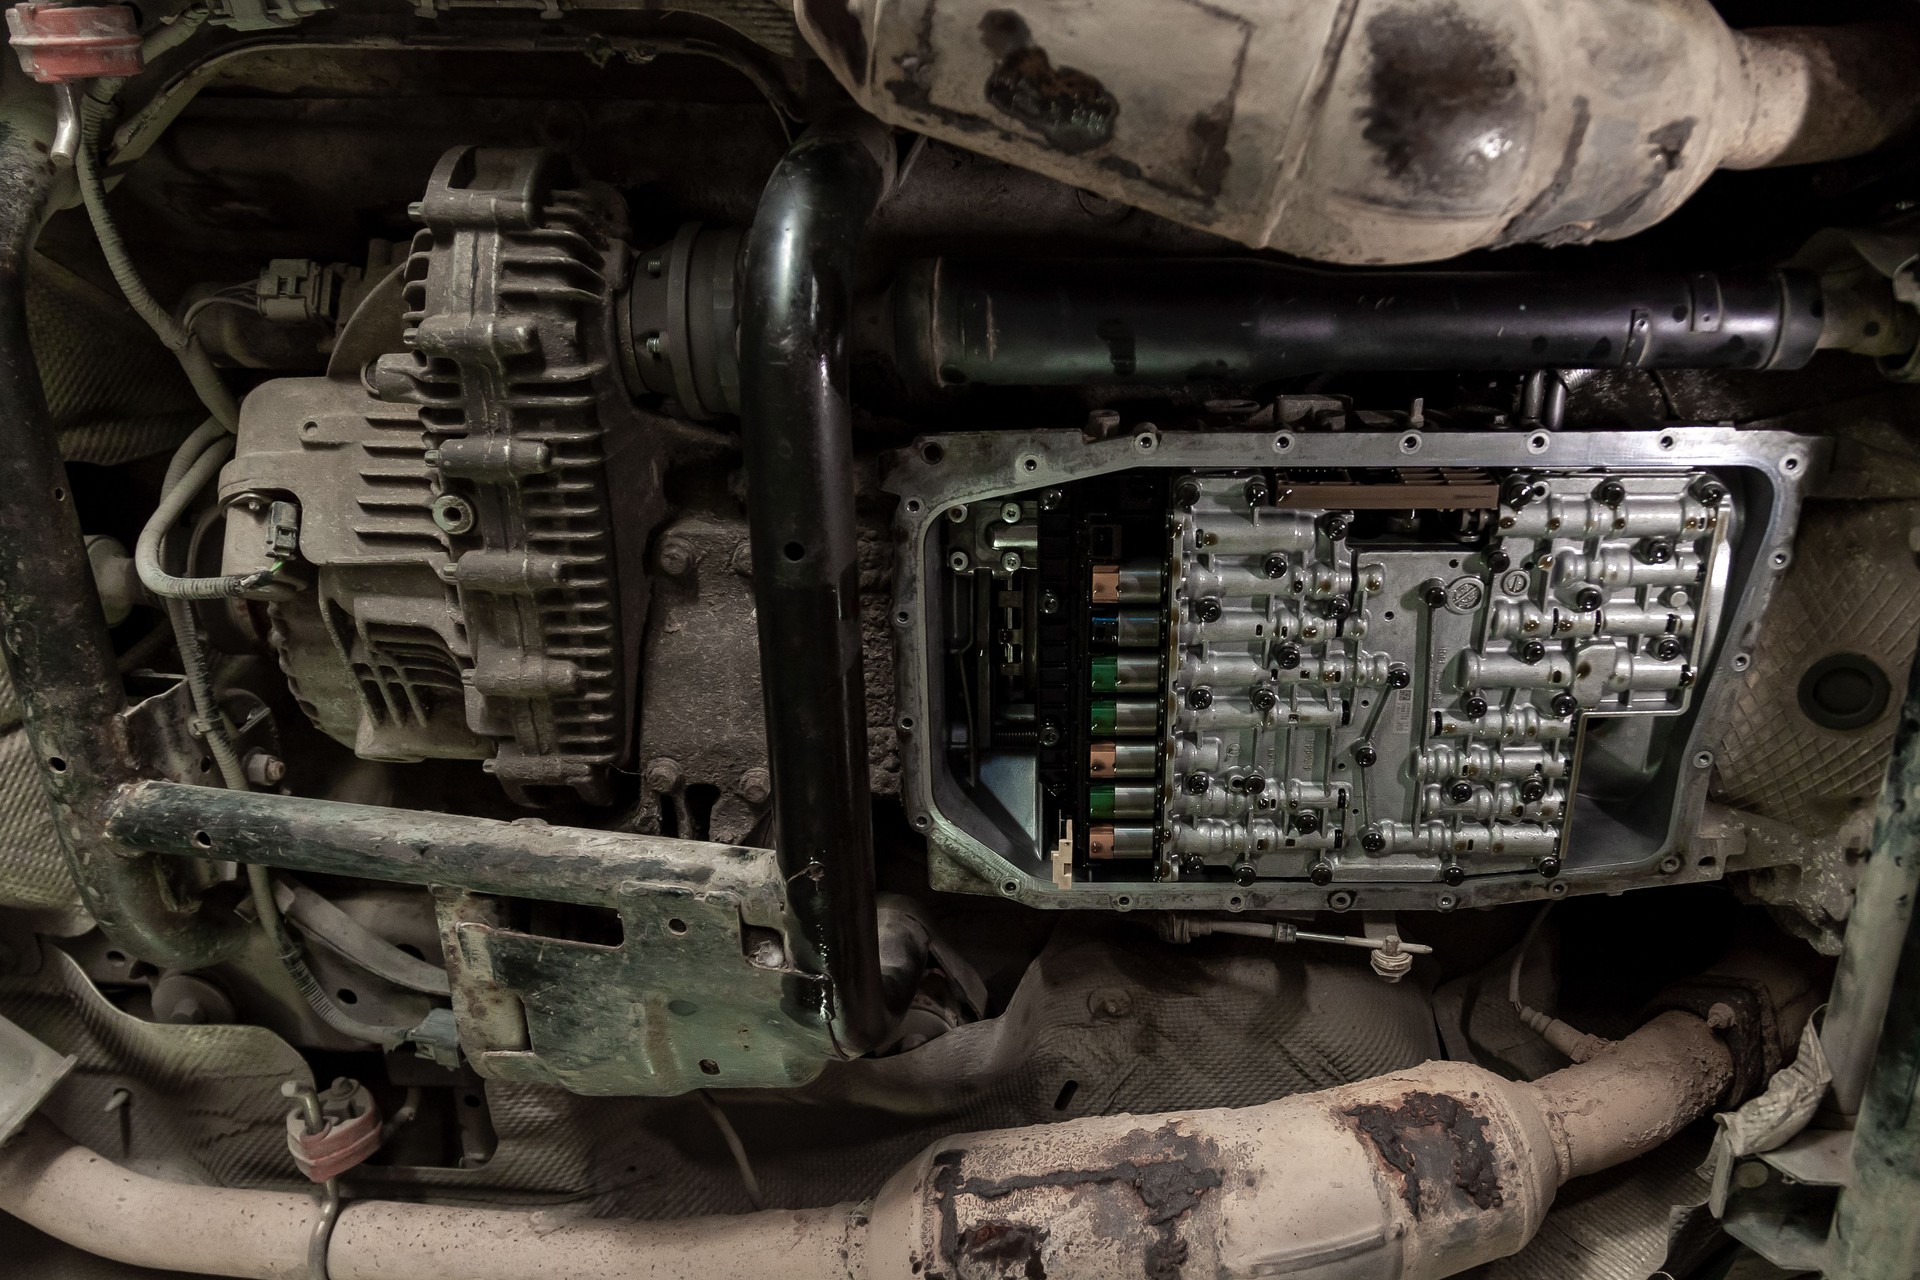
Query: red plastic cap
pixel 82 42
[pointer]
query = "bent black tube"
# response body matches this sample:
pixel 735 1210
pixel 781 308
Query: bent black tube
pixel 56 636
pixel 1164 322
pixel 797 303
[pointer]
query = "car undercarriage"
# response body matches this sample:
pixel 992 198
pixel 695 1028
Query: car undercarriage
pixel 1142 638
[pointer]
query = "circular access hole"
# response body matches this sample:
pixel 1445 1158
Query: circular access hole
pixel 203 840
pixel 1666 442
pixel 1010 887
pixel 1790 463
pixel 1409 443
pixel 913 505
pixel 794 551
pixel 1282 442
pixel 906 723
pixel 1123 902
pixel 932 453
pixel 1844 691
pixel 345 995
pixel 676 926
pixel 1538 442
pixel 56 764
pixel 1780 559
pixel 903 617
pixel 709 1067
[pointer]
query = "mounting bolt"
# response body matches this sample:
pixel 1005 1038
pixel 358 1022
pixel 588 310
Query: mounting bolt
pixel 1010 562
pixel 1244 874
pixel 264 769
pixel 1255 784
pixel 1193 865
pixel 1049 602
pixel 1207 609
pixel 1365 755
pixel 1499 561
pixel 1399 676
pixel 662 774
pixel 1197 784
pixel 1588 598
pixel 1336 524
pixel 1549 867
pixel 1306 822
pixel 1667 648
pixel 1010 513
pixel 1049 734
pixel 1656 551
pixel 1257 492
pixel 1372 840
pixel 675 555
pixel 754 785
pixel 1532 790
pixel 1200 697
pixel 1322 873
pixel 1187 492
pixel 1264 699
pixel 1287 655
pixel 1434 593
pixel 1610 493
pixel 1564 704
pixel 1454 874
pixel 1460 791
pixel 1533 650
pixel 1709 491
pixel 1474 704
pixel 1517 491
pixel 1274 566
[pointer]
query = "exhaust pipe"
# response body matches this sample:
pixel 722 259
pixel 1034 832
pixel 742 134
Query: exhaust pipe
pixel 1410 1176
pixel 1375 131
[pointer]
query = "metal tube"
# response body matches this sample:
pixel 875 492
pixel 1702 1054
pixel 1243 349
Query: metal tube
pixel 1234 321
pixel 56 642
pixel 1412 1176
pixel 797 303
pixel 1882 916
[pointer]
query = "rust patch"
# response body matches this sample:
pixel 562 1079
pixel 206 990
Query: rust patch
pixel 1069 108
pixel 1169 1171
pixel 1444 101
pixel 1434 1145
pixel 1010 1249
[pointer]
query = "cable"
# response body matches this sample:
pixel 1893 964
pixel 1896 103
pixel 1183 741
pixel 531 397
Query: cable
pixel 184 484
pixel 320 920
pixel 94 108
pixel 738 1148
pixel 1576 1044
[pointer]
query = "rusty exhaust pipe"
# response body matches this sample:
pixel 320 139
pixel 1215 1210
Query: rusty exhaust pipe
pixel 1410 1176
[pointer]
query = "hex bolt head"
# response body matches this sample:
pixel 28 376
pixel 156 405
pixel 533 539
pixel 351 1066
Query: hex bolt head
pixel 1322 873
pixel 1434 593
pixel 1244 874
pixel 662 774
pixel 1667 648
pixel 1264 699
pixel 1533 650
pixel 1372 841
pixel 1049 734
pixel 1610 493
pixel 1200 697
pixel 1274 566
pixel 1533 790
pixel 1460 791
pixel 1709 491
pixel 1197 784
pixel 1336 524
pixel 1564 704
pixel 1656 551
pixel 1306 822
pixel 1207 610
pixel 1288 656
pixel 1193 865
pixel 1399 676
pixel 264 769
pixel 1454 874
pixel 754 785
pixel 1516 491
pixel 1588 598
pixel 1549 867
pixel 1365 755
pixel 674 555
pixel 1474 704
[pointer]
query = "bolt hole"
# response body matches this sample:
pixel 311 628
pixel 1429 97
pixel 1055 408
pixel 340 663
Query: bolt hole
pixel 1029 463
pixel 1235 902
pixel 1409 444
pixel 1538 442
pixel 1282 442
pixel 903 617
pixel 1123 902
pixel 308 427
pixel 1666 442
pixel 1340 900
pixel 1741 662
pixel 202 839
pixel 906 722
pixel 346 996
pixel 1558 889
pixel 1065 1096
pixel 1790 463
pixel 1780 559
pixel 913 505
pixel 59 494
pixel 709 1067
pixel 922 822
pixel 794 551
pixel 56 764
pixel 1010 887
pixel 677 926
pixel 933 454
